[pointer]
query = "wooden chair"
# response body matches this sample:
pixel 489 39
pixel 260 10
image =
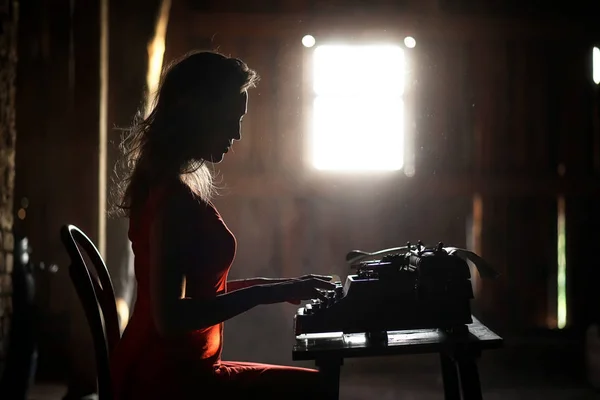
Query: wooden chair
pixel 95 291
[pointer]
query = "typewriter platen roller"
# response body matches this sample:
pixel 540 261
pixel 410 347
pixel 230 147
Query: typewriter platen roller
pixel 414 288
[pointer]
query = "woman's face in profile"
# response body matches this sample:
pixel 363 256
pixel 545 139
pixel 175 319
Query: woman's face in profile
pixel 224 126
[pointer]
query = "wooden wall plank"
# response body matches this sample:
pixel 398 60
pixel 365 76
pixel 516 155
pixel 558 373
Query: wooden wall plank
pixel 391 185
pixel 458 136
pixel 576 103
pixel 422 25
pixel 493 295
pixel 482 57
pixel 431 140
pixel 517 65
pixel 291 92
pixel 583 264
pixel 532 259
pixel 537 126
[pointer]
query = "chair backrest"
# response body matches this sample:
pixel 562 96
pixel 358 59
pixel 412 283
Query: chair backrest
pixel 95 291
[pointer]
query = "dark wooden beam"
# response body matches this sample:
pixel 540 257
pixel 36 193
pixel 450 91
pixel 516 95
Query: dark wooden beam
pixel 366 26
pixel 235 184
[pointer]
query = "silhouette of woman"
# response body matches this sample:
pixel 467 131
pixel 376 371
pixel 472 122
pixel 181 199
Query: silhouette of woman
pixel 171 348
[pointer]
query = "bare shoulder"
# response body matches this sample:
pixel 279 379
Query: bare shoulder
pixel 182 205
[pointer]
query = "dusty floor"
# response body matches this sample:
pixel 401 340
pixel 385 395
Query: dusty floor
pixel 505 375
pixel 361 388
pixel 537 367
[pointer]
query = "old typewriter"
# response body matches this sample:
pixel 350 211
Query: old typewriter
pixel 410 287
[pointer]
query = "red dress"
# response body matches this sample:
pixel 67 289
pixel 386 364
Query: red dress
pixel 146 365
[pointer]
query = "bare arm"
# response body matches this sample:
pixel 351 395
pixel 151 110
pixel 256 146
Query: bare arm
pixel 172 312
pixel 237 284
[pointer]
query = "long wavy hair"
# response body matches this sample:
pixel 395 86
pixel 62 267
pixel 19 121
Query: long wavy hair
pixel 158 147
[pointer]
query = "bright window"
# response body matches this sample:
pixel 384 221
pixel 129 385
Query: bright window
pixel 596 65
pixel 358 110
pixel 561 295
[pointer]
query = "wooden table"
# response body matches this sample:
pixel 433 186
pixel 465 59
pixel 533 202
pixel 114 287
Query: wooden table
pixel 458 354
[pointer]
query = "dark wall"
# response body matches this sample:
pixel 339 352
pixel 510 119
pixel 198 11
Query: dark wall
pixel 8 69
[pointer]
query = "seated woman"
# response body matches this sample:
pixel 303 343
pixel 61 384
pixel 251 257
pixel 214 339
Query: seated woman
pixel 171 348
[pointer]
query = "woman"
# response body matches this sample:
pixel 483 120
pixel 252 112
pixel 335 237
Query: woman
pixel 183 250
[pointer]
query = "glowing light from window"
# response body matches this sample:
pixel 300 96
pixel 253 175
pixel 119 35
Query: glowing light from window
pixel 410 42
pixel 561 284
pixel 308 41
pixel 123 312
pixel 156 52
pixel 596 65
pixel 358 118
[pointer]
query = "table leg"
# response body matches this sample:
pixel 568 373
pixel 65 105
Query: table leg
pixel 330 368
pixel 469 378
pixel 449 377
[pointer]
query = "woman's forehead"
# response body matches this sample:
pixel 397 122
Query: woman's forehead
pixel 237 102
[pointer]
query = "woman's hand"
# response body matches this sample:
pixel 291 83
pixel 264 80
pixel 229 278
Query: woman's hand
pixel 298 289
pixel 310 276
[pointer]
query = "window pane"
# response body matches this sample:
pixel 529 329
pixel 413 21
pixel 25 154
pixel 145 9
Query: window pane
pixel 358 133
pixel 596 65
pixel 377 69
